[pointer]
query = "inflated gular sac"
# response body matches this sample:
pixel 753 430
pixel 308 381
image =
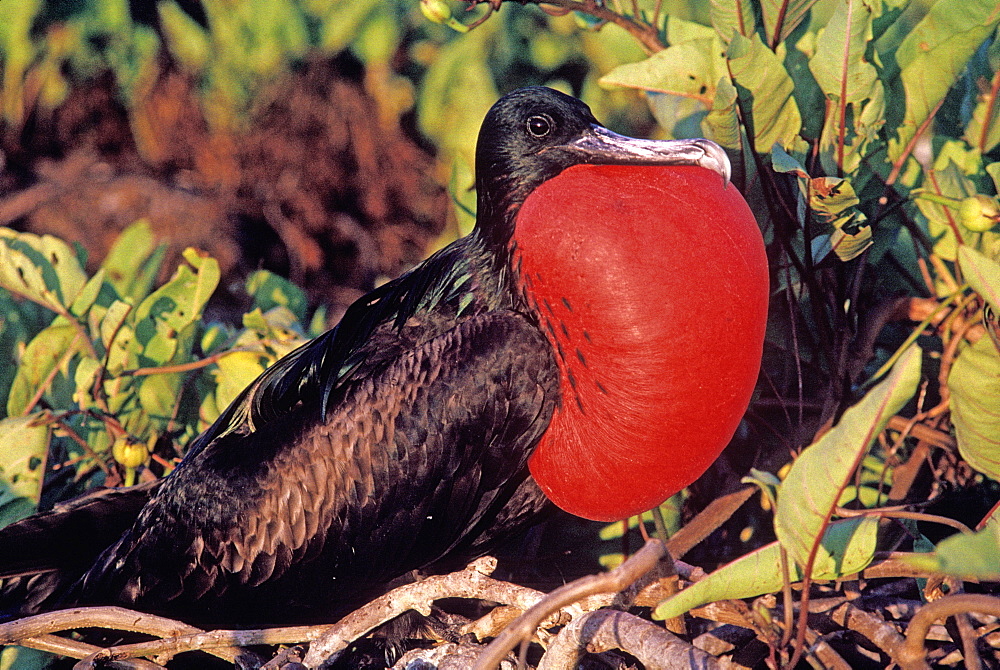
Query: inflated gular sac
pixel 652 285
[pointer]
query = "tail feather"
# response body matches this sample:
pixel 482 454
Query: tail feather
pixel 40 556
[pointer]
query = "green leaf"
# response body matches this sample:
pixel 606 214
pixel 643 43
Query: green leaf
pixel 23 658
pixel 965 555
pixel 185 37
pixel 982 273
pixel 848 80
pixel 158 394
pixel 457 92
pixel 729 16
pixel 270 290
pixel 839 63
pixel 234 373
pixel 87 296
pixel 166 312
pixel 47 350
pixel 846 245
pixel 950 182
pixel 722 123
pixel 974 381
pixel 814 483
pixel 681 79
pixel 983 129
pixel 134 260
pixel 775 115
pixel 42 268
pixel 782 161
pixel 850 544
pixel 25 441
pixel 782 16
pixel 934 53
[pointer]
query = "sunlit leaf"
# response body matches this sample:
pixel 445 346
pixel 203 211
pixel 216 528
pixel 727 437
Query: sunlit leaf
pixel 983 130
pixel 134 260
pixel 722 123
pixel 941 219
pixel 966 556
pixel 270 290
pixel 730 16
pixel 457 92
pixel 25 441
pixel 782 16
pixel 46 351
pixel 982 273
pixel 809 493
pixel 974 381
pixel 933 54
pixel 187 40
pixel 850 83
pixel 839 63
pixel 850 545
pixel 40 267
pixel 775 114
pixel 160 318
pixel 690 69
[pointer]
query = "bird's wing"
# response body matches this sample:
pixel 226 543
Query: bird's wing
pixel 367 334
pixel 416 456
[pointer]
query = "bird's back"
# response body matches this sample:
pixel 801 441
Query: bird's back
pixel 392 442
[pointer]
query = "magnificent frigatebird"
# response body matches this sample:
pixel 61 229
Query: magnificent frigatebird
pixel 593 342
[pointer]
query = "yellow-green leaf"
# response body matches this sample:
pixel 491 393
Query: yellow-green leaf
pixel 809 493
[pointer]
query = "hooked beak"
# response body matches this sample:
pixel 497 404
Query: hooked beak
pixel 602 146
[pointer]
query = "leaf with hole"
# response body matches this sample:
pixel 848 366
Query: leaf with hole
pixel 25 441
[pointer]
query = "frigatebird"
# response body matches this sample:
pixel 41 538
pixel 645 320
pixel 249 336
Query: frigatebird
pixel 593 342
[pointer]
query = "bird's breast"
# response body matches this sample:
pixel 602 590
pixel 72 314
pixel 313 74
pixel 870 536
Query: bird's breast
pixel 651 284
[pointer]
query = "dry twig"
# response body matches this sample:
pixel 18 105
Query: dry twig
pixel 604 630
pixel 609 582
pixel 472 582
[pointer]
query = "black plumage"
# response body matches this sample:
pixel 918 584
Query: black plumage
pixel 397 441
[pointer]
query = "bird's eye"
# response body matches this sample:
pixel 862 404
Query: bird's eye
pixel 539 125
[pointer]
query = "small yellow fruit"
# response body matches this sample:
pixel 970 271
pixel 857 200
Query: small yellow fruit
pixel 979 213
pixel 129 453
pixel 436 11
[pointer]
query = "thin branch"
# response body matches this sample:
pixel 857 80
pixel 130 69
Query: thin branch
pixel 605 630
pixel 911 655
pixel 191 365
pixel 112 618
pixel 647 35
pixel 472 582
pixel 618 579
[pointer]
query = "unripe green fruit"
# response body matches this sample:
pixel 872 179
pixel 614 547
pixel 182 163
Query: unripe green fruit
pixel 979 213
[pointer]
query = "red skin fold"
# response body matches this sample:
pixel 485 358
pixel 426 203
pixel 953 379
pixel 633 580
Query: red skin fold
pixel 652 285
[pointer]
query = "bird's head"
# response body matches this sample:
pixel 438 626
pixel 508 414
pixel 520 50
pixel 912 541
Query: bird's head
pixel 532 134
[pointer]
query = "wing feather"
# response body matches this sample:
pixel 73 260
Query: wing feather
pixel 410 463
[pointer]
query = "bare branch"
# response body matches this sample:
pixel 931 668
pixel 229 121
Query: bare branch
pixel 911 654
pixel 609 582
pixel 472 582
pixel 39 627
pixel 605 630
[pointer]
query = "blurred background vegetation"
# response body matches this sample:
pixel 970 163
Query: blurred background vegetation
pixel 311 149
